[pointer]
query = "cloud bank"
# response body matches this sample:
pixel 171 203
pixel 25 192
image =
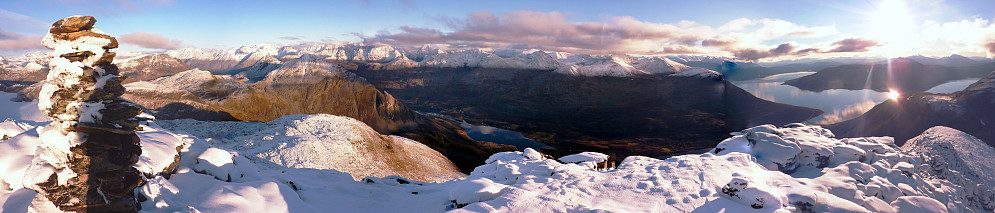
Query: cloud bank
pixel 10 41
pixel 150 40
pixel 743 38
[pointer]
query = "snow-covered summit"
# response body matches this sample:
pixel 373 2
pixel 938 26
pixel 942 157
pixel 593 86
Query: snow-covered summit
pixel 960 158
pixel 31 66
pixel 323 142
pixel 388 57
pixel 190 80
pixel 627 66
pixel 307 66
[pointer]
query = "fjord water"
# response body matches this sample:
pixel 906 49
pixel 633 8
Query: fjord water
pixel 952 86
pixel 493 134
pixel 838 104
pixel 501 136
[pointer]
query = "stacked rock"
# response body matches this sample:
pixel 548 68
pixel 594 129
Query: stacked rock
pixel 82 96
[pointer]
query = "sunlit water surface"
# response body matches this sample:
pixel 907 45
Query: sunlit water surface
pixel 838 104
pixel 953 86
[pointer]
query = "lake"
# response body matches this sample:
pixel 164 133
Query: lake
pixel 493 134
pixel 501 136
pixel 838 104
pixel 953 86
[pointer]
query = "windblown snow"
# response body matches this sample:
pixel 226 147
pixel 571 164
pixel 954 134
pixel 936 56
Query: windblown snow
pixel 296 164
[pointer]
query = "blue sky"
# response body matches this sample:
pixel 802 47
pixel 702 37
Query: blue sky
pixel 225 24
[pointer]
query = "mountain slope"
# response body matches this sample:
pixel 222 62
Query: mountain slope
pixel 305 85
pixel 968 110
pixel 293 163
pixel 323 142
pixel 650 115
pixel 900 74
pixel 148 67
pixel 188 94
pixel 961 159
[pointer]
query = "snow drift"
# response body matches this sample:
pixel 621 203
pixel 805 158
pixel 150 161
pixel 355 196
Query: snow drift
pixel 245 166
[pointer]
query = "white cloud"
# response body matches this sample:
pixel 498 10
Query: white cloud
pixel 963 37
pixel 552 31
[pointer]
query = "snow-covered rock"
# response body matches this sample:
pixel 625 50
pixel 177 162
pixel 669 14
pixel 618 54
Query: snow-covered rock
pixel 476 190
pixel 321 142
pixel 588 159
pixel 307 66
pixel 191 80
pixel 860 175
pixel 959 158
pixel 627 66
pixel 149 66
pixel 31 66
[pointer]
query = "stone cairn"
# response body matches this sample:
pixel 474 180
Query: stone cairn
pixel 82 96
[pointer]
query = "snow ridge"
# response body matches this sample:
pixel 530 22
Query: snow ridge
pixel 960 158
pixel 252 166
pixel 388 57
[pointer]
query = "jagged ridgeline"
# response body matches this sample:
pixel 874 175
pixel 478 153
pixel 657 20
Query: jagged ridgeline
pixel 90 146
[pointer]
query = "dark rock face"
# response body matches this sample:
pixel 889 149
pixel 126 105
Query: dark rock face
pixel 103 165
pixel 969 110
pixel 647 115
pixel 903 75
pixel 340 94
pixel 89 104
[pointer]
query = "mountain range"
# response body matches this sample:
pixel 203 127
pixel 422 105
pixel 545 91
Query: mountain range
pixel 618 104
pixel 283 151
pixel 572 101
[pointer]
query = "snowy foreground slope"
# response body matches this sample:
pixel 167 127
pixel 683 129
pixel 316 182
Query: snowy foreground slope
pixel 323 142
pixel 961 159
pixel 761 169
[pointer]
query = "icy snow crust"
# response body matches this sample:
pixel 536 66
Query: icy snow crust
pixel 762 169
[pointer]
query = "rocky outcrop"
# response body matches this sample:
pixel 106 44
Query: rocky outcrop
pixel 90 146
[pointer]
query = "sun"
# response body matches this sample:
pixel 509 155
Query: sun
pixel 893 95
pixel 891 23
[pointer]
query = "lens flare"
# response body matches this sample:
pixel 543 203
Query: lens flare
pixel 893 95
